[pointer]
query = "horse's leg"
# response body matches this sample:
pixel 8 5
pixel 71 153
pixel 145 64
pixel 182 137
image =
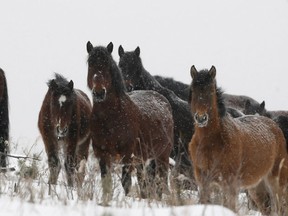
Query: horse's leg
pixel 204 186
pixel 260 195
pixel 126 174
pixel 162 165
pixel 230 195
pixel 54 166
pixel 106 179
pixel 82 156
pixel 70 161
pixel 141 181
pixel 150 174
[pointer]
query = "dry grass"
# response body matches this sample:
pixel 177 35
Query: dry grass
pixel 29 183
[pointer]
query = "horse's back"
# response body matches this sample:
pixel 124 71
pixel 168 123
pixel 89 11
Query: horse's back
pixel 153 105
pixel 238 101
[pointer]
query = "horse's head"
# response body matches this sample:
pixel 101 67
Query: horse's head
pixel 254 109
pixel 204 94
pixel 130 64
pixel 61 104
pixel 99 66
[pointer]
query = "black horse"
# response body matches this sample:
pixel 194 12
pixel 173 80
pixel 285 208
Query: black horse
pixel 4 120
pixel 137 78
pixel 182 90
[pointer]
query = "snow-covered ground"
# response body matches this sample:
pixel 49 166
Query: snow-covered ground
pixel 245 39
pixel 26 197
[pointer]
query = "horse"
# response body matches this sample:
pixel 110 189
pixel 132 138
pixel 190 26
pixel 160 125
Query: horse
pixel 64 123
pixel 137 78
pixel 279 116
pixel 182 90
pixel 261 110
pixel 136 127
pixel 239 102
pixel 231 154
pixel 4 121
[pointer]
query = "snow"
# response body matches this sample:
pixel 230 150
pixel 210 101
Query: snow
pixel 30 209
pixel 245 40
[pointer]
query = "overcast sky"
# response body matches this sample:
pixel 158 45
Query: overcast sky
pixel 246 40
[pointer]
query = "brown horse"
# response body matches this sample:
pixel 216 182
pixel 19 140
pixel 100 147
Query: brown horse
pixel 244 153
pixel 136 127
pixel 64 125
pixel 4 120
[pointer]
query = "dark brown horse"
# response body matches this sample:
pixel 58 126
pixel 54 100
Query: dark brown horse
pixel 64 125
pixel 138 78
pixel 4 120
pixel 235 153
pixel 250 109
pixel 136 127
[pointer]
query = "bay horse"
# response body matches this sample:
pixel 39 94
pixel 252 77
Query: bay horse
pixel 63 122
pixel 4 120
pixel 136 77
pixel 235 153
pixel 136 127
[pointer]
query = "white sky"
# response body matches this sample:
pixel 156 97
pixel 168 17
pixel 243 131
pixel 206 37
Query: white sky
pixel 247 41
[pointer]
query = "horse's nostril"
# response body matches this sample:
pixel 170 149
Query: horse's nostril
pixel 58 129
pixel 130 87
pixel 204 117
pixel 196 116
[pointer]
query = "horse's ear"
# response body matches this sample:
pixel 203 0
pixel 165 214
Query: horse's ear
pixel 137 51
pixel 212 72
pixel 193 72
pixel 52 84
pixel 262 105
pixel 110 47
pixel 71 85
pixel 247 104
pixel 120 51
pixel 89 46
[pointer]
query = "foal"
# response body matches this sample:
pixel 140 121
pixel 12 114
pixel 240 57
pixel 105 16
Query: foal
pixel 243 153
pixel 64 124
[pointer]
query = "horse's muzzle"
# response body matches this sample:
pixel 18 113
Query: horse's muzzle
pixel 61 132
pixel 201 120
pixel 100 95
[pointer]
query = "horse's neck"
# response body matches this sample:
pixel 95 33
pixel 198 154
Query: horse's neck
pixel 113 102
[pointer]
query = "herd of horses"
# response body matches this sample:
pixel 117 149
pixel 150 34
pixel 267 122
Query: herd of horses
pixel 221 143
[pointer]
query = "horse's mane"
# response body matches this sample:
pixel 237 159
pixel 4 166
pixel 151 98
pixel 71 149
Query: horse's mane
pixel 220 102
pixel 116 75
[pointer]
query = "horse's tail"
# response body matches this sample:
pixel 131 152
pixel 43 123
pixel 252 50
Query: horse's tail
pixel 4 121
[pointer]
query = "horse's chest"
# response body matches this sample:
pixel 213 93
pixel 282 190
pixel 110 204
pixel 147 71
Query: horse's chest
pixel 208 154
pixel 113 133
